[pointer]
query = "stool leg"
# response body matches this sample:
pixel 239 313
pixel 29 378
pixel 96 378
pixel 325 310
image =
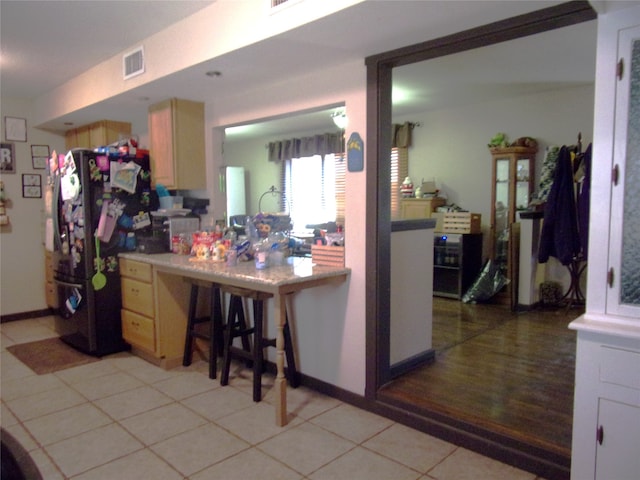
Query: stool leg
pixel 258 346
pixel 213 331
pixel 242 325
pixel 292 372
pixel 218 321
pixel 188 342
pixel 228 340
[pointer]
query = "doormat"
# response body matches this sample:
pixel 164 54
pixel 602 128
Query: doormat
pixel 50 355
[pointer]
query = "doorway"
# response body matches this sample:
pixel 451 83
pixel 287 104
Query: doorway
pixel 379 105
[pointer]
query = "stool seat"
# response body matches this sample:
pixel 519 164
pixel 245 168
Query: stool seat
pixel 252 352
pixel 213 334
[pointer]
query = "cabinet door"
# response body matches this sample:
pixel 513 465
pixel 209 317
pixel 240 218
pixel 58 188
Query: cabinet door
pixel 623 296
pixel 83 139
pixel 618 439
pixel 161 144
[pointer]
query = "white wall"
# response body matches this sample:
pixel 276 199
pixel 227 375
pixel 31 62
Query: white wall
pixel 22 243
pixel 450 146
pixel 328 322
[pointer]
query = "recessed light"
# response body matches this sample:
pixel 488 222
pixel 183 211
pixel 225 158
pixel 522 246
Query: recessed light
pixel 68 124
pixel 213 73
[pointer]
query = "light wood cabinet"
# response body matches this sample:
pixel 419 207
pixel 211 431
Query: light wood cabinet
pixel 176 144
pixel 97 134
pixel 138 305
pixel 511 191
pixel 50 291
pixel 411 208
pixel 154 312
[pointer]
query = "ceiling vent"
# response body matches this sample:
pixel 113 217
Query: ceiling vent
pixel 277 5
pixel 133 63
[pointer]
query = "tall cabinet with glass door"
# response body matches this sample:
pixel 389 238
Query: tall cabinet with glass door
pixel 512 187
pixel 607 390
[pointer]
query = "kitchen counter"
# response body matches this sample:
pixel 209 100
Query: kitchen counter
pixel 298 273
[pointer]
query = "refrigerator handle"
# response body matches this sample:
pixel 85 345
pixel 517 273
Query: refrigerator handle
pixel 68 284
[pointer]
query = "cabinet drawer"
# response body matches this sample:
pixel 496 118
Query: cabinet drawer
pixel 138 270
pixel 137 296
pixel 138 330
pixel 620 367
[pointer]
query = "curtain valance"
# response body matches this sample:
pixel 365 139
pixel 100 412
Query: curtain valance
pixel 401 134
pixel 306 146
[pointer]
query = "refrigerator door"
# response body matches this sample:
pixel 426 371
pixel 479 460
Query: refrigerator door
pixel 90 203
pixel 74 322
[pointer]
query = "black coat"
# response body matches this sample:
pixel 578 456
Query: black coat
pixel 559 237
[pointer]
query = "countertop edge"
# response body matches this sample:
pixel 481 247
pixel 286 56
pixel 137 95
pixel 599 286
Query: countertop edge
pixel 297 269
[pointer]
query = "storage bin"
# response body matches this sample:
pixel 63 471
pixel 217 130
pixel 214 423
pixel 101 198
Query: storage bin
pixel 462 222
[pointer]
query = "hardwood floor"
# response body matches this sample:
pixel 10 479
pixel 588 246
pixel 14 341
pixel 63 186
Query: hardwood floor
pixel 511 374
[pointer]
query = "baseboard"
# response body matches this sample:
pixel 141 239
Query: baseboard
pixel 26 315
pixel 410 363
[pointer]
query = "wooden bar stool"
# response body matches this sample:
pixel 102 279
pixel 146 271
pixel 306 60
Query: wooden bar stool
pixel 213 334
pixel 237 326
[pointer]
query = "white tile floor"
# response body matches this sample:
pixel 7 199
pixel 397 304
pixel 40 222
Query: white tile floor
pixel 124 418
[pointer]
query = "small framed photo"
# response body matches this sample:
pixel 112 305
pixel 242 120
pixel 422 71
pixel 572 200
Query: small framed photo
pixel 31 185
pixel 40 156
pixel 15 129
pixel 7 158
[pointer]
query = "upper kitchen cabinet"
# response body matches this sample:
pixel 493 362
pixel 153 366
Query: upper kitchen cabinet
pixel 97 134
pixel 176 144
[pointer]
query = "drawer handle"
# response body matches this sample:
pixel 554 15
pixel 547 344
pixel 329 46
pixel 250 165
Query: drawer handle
pixel 600 434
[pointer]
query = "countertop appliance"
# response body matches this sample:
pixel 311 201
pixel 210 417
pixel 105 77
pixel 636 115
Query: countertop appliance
pixel 100 203
pixel 167 224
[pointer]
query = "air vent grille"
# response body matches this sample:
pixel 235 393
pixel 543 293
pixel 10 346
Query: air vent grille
pixel 133 63
pixel 279 5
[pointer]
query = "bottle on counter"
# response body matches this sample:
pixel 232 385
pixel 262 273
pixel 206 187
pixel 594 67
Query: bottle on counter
pixel 262 255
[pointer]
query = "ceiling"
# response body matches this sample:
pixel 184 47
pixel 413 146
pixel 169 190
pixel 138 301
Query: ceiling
pixel 64 38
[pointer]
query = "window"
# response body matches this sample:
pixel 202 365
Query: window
pixel 399 170
pixel 314 189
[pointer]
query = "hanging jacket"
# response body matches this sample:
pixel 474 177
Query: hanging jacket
pixel 559 237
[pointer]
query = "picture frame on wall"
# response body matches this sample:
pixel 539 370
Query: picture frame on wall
pixel 15 129
pixel 7 157
pixel 31 185
pixel 40 156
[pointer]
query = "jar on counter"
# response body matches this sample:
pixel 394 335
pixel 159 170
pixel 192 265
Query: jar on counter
pixel 261 256
pixel 180 244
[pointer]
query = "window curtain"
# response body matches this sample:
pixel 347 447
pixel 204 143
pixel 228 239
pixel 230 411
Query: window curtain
pixel 323 144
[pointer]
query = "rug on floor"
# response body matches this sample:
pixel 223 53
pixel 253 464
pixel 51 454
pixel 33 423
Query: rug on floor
pixel 50 355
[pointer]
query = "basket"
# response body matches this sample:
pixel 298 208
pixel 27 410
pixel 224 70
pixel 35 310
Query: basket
pixel 327 255
pixel 461 222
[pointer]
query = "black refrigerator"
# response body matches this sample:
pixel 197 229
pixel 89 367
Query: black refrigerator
pixel 101 203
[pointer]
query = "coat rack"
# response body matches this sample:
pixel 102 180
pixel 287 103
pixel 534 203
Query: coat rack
pixel 563 233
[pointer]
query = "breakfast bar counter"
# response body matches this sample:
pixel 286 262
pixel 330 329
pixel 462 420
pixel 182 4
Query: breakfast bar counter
pixel 296 274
